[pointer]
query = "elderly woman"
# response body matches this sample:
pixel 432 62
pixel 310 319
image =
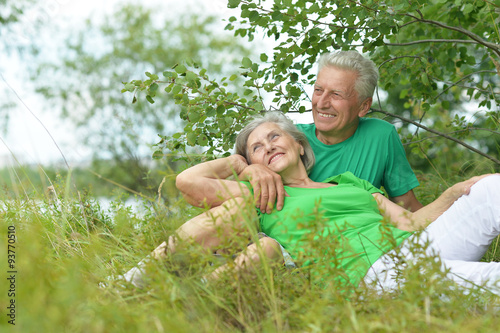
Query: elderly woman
pixel 458 226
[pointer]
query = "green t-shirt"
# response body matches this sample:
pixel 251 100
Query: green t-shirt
pixel 374 153
pixel 349 214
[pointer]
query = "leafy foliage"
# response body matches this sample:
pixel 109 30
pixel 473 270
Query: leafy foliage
pixel 439 63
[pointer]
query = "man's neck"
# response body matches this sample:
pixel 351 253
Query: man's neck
pixel 336 137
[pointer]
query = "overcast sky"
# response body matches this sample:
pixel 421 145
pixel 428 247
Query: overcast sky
pixel 38 137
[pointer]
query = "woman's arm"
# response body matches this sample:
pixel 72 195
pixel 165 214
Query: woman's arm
pixel 406 220
pixel 206 183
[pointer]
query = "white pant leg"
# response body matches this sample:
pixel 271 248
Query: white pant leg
pixel 460 237
pixel 469 274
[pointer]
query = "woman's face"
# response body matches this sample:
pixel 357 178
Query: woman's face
pixel 269 145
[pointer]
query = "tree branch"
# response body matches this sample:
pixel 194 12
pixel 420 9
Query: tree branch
pixel 460 142
pixel 494 47
pixel 432 41
pixel 455 132
pixel 464 78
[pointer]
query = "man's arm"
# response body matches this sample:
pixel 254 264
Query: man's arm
pixel 408 201
pixel 406 220
pixel 267 186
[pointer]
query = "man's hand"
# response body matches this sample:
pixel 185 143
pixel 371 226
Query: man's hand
pixel 463 188
pixel 267 185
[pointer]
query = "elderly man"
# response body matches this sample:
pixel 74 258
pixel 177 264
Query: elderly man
pixel 342 140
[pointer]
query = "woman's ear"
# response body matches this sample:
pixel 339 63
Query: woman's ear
pixel 302 151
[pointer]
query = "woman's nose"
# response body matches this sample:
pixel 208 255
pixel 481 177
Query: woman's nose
pixel 269 146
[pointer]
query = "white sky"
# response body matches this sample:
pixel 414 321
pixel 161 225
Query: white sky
pixel 34 136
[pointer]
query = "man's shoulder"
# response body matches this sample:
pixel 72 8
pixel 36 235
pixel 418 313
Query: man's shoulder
pixel 304 127
pixel 374 123
pixel 308 129
pixel 376 129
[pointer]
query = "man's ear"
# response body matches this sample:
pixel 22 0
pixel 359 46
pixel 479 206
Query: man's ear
pixel 365 107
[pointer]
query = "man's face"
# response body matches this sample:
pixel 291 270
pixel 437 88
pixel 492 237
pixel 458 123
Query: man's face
pixel 335 105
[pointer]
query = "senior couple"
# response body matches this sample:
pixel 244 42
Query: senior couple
pixel 336 167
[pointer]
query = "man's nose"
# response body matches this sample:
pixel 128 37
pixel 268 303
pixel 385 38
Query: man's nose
pixel 323 101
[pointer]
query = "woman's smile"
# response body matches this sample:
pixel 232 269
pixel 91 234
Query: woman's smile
pixel 275 157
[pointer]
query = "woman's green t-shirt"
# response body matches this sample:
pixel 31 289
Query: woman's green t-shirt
pixel 345 216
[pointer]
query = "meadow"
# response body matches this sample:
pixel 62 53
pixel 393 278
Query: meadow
pixel 60 247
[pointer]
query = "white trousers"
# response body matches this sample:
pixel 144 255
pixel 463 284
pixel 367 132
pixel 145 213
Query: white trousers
pixel 459 237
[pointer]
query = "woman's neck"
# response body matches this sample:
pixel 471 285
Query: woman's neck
pixel 301 179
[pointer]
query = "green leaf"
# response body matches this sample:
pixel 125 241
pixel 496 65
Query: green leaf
pixel 233 3
pixel 191 138
pixel 220 110
pixel 158 154
pixel 191 77
pixel 468 8
pixel 180 69
pixel 202 140
pixel 170 75
pixel 194 116
pixel 130 87
pixel 425 79
pixel 246 62
pixel 153 87
pixel 403 93
pixel 176 89
pixel 150 99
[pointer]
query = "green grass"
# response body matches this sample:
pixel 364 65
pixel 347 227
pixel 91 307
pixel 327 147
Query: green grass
pixel 64 250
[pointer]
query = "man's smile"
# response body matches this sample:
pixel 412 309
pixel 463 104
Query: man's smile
pixel 326 115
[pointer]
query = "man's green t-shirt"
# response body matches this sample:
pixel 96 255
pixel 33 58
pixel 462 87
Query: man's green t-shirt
pixel 348 213
pixel 374 153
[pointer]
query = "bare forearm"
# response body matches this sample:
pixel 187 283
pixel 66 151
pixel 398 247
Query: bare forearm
pixel 206 182
pixel 432 211
pixel 406 220
pixel 429 213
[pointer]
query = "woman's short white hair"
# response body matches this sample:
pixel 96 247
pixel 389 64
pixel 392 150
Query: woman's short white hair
pixel 367 79
pixel 285 124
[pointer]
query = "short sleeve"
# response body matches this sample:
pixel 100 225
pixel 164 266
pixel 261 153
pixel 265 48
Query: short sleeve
pixel 399 178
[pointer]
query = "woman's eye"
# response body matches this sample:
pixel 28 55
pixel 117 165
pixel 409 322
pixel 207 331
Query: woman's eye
pixel 255 148
pixel 275 136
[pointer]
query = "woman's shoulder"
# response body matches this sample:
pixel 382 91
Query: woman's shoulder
pixel 345 177
pixel 348 178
